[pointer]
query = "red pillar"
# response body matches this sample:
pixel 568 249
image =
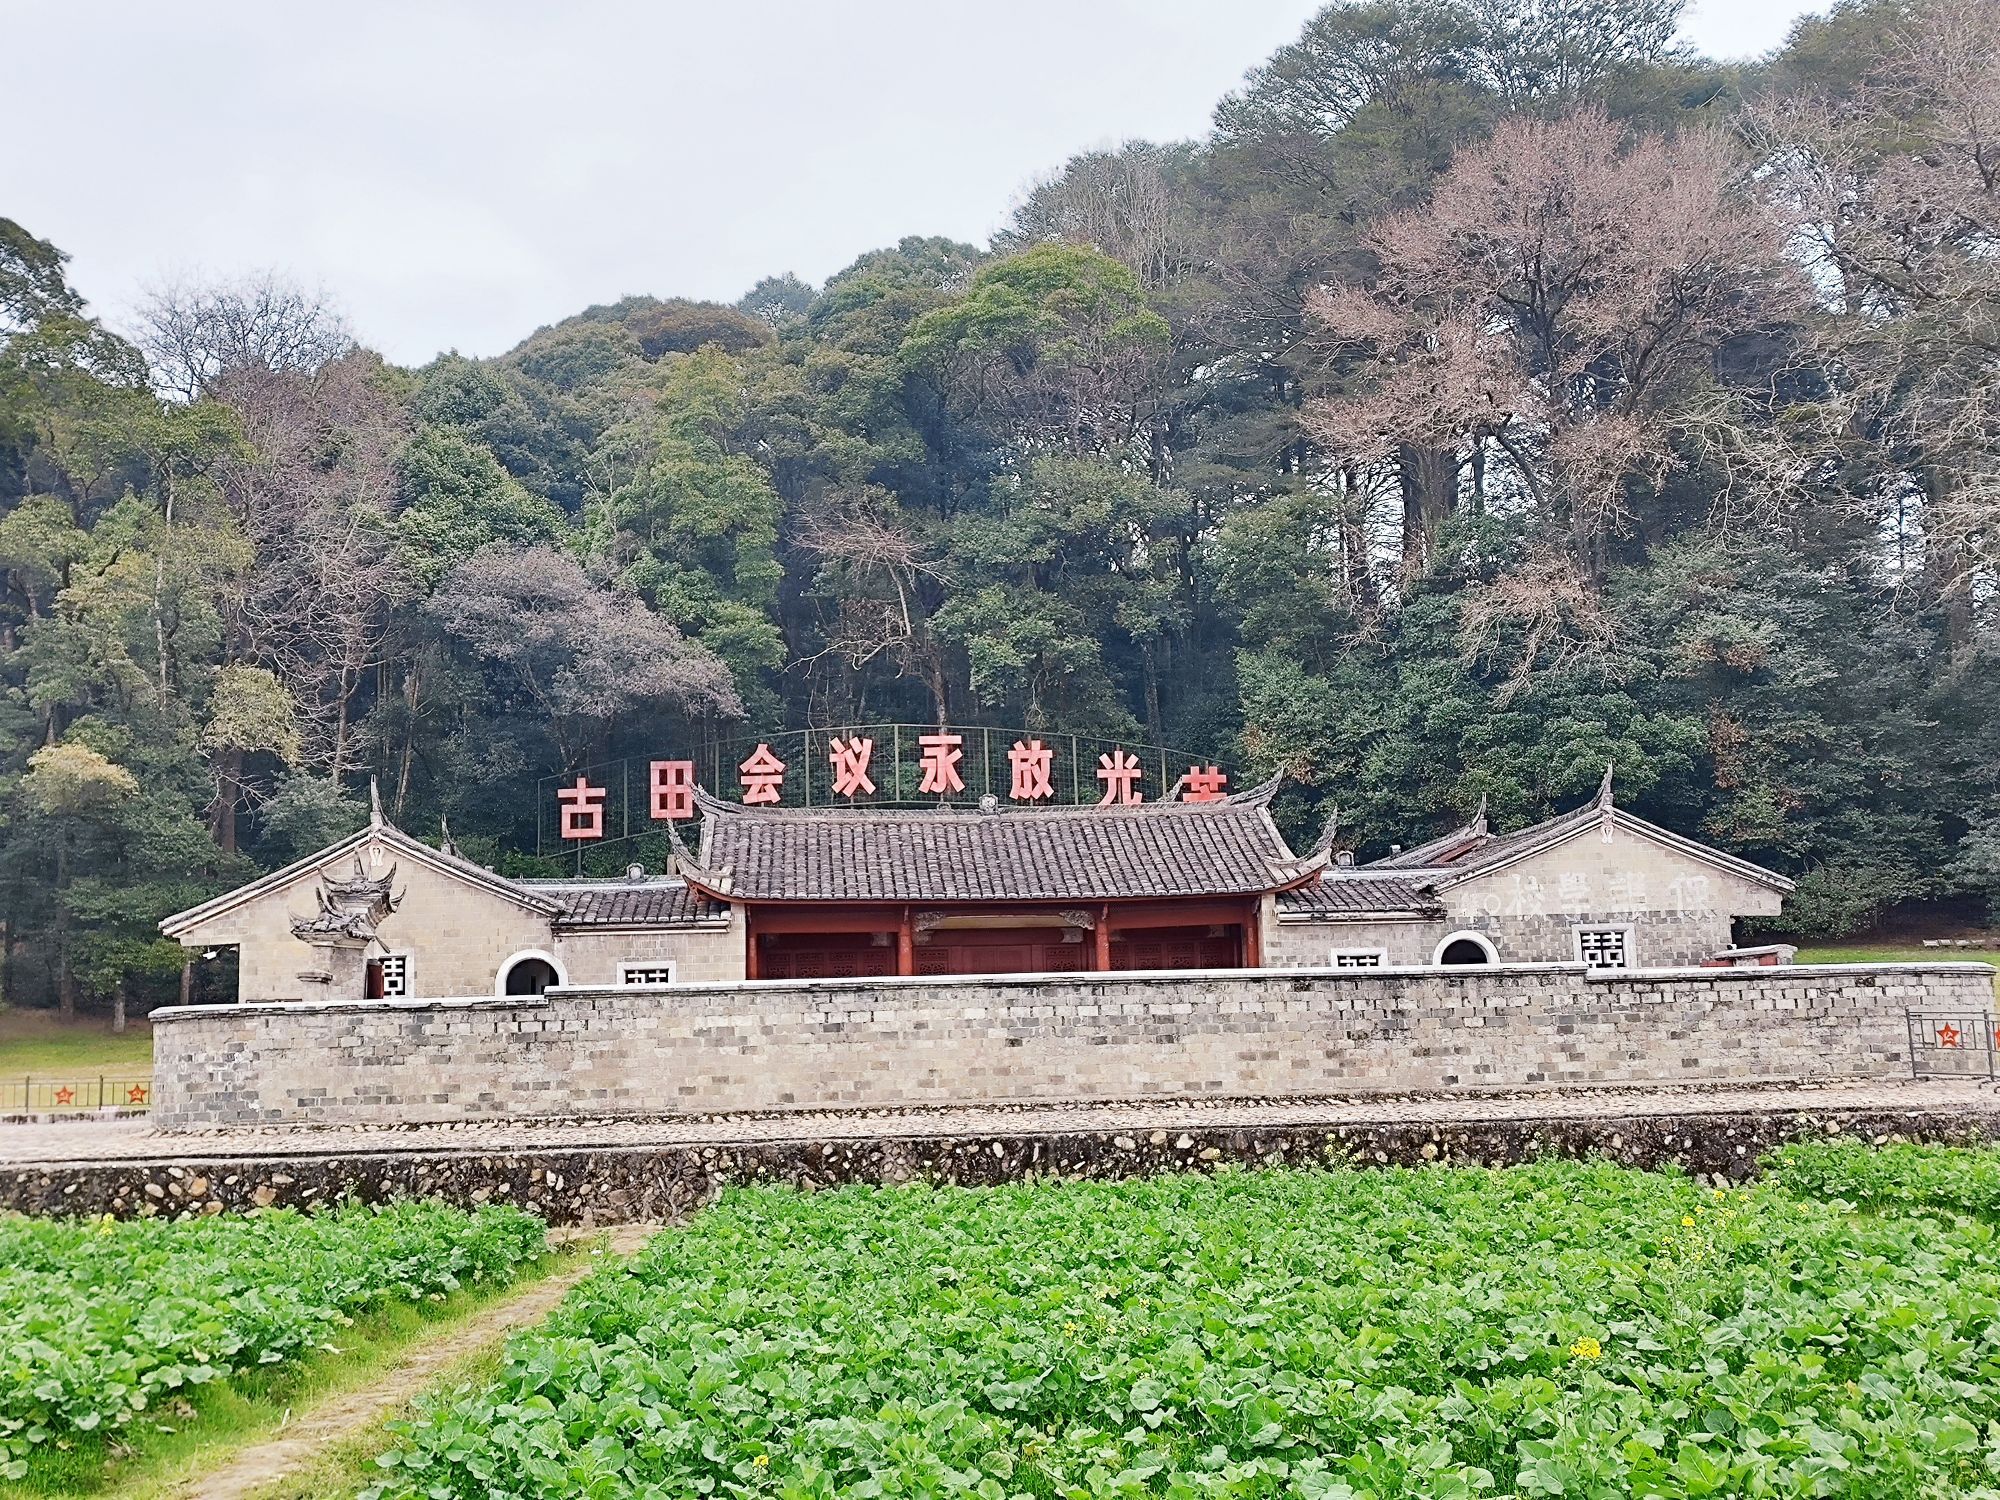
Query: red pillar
pixel 906 944
pixel 750 965
pixel 1253 936
pixel 1103 939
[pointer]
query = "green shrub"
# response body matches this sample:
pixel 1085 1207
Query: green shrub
pixel 1890 1177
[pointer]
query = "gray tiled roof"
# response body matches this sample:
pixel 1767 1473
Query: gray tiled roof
pixel 1153 849
pixel 1470 848
pixel 1341 895
pixel 649 903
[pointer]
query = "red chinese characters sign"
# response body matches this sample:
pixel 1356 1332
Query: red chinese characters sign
pixel 1204 784
pixel 582 810
pixel 942 753
pixel 850 759
pixel 763 776
pixel 1119 771
pixel 672 786
pixel 889 763
pixel 1030 762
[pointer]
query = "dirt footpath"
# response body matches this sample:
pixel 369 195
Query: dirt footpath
pixel 355 1412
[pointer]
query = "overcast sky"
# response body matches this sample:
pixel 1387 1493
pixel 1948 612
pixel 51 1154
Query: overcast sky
pixel 456 172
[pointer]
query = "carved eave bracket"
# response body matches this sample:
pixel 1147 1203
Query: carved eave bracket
pixel 351 907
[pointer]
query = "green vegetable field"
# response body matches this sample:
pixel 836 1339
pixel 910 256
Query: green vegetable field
pixel 102 1323
pixel 1559 1329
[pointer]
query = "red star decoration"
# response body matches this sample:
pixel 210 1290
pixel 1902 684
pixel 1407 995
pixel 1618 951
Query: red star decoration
pixel 65 1095
pixel 1948 1035
pixel 136 1094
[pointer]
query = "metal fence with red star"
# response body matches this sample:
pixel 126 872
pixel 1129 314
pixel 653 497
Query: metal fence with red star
pixel 1953 1044
pixel 55 1093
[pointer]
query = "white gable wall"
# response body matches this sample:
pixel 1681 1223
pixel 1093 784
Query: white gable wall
pixel 1679 907
pixel 458 933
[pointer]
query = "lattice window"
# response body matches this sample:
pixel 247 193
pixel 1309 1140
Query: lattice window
pixel 395 976
pixel 646 973
pixel 1358 958
pixel 1604 947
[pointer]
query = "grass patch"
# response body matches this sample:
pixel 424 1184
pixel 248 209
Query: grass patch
pixel 150 1462
pixel 41 1042
pixel 343 1469
pixel 1905 953
pixel 1564 1328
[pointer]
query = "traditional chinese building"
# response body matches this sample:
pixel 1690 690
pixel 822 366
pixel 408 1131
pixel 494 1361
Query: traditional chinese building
pixel 845 892
pixel 774 892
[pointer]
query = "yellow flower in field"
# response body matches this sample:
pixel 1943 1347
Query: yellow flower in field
pixel 1687 1221
pixel 762 1461
pixel 1587 1348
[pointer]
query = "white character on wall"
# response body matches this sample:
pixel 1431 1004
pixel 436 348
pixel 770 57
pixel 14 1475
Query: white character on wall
pixel 1688 895
pixel 1628 891
pixel 1573 892
pixel 1525 899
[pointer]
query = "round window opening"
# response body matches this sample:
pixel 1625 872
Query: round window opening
pixel 1463 951
pixel 530 976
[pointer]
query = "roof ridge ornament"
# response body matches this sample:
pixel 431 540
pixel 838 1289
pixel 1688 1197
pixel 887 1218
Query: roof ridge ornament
pixel 1604 787
pixel 1606 808
pixel 1478 823
pixel 375 818
pixel 1327 834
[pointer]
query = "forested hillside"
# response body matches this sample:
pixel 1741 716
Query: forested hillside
pixel 1497 391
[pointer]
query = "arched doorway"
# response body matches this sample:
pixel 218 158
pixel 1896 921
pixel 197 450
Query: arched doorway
pixel 1465 948
pixel 528 974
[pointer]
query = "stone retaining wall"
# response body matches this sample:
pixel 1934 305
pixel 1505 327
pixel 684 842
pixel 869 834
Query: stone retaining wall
pixel 590 1185
pixel 1274 1034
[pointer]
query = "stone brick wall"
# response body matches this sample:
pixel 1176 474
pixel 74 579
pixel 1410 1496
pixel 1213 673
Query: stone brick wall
pixel 592 1184
pixel 1311 945
pixel 708 954
pixel 1241 1033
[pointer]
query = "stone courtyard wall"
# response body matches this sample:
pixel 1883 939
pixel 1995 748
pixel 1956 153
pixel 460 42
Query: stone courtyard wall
pixel 775 1045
